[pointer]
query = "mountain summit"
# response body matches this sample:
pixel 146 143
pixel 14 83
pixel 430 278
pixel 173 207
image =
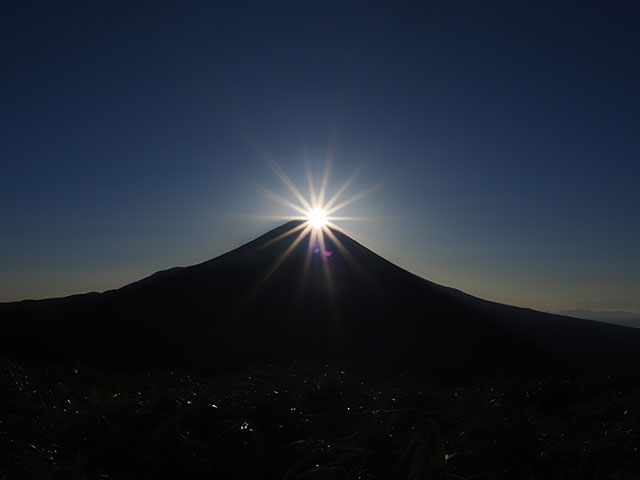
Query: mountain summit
pixel 281 297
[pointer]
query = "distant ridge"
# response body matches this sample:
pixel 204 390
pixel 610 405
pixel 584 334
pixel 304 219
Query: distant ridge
pixel 627 319
pixel 350 306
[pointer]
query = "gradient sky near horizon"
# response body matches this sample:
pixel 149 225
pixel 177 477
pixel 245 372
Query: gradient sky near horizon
pixel 505 137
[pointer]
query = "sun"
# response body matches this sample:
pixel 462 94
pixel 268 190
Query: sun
pixel 314 219
pixel 317 218
pixel 315 213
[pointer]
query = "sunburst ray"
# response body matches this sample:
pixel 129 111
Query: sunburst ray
pixel 283 235
pixel 318 227
pixel 344 251
pixel 325 180
pixel 312 187
pixel 325 263
pixel 278 199
pixel 283 256
pixel 353 199
pixel 342 188
pixel 290 185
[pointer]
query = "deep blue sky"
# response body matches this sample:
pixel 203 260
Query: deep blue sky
pixel 506 135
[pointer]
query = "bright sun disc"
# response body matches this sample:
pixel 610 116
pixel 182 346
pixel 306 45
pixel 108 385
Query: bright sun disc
pixel 317 218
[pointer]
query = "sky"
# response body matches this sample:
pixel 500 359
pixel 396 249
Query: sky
pixel 502 137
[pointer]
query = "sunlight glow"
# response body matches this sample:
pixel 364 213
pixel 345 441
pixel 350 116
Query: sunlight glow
pixel 317 218
pixel 317 214
pixel 316 210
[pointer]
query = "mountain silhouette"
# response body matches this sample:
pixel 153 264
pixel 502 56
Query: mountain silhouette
pixel 628 319
pixel 273 299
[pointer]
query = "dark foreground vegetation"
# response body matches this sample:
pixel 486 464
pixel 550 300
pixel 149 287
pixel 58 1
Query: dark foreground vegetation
pixel 300 422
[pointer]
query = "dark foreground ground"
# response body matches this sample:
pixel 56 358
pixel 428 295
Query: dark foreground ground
pixel 300 422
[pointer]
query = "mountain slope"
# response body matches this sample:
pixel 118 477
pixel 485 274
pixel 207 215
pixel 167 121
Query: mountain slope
pixel 342 304
pixel 627 319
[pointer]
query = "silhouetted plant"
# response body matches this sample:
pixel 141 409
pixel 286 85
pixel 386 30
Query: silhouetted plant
pixel 301 422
